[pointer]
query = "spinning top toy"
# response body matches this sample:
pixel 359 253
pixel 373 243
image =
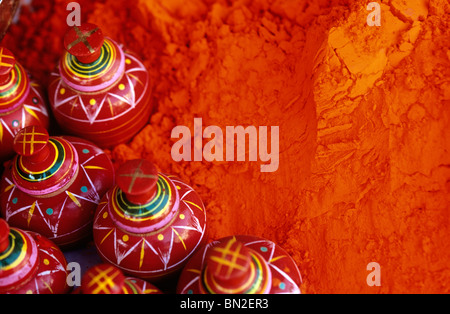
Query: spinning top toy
pixel 100 91
pixel 30 263
pixel 240 265
pixel 54 184
pixel 108 279
pixel 21 103
pixel 150 223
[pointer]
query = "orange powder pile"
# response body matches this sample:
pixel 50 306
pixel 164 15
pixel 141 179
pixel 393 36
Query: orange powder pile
pixel 364 172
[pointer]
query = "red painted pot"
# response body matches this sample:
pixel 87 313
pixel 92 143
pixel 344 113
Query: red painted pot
pixel 150 223
pixel 54 184
pixel 108 279
pixel 30 263
pixel 240 265
pixel 99 91
pixel 21 103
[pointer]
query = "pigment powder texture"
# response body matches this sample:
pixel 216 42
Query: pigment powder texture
pixel 364 170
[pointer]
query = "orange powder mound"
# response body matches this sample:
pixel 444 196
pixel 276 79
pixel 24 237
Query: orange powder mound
pixel 363 113
pixel 364 173
pixel 380 183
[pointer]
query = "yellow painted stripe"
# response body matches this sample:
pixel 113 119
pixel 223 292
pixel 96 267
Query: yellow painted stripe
pixel 178 235
pixel 194 205
pixel 106 236
pixel 9 187
pixel 31 112
pixel 48 286
pixel 74 199
pixel 195 271
pixel 30 213
pixel 147 291
pixel 277 258
pixel 94 167
pixel 141 258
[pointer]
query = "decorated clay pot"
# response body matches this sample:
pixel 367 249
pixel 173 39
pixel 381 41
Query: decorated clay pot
pixel 240 265
pixel 108 279
pixel 150 223
pixel 54 184
pixel 30 263
pixel 100 91
pixel 21 103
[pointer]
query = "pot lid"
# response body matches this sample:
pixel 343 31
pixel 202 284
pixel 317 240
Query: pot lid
pixel 143 200
pixel 14 82
pixel 43 164
pixel 104 279
pixel 232 268
pixel 91 62
pixel 18 256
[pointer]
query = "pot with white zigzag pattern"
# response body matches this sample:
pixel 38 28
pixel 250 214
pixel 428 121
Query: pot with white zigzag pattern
pixel 100 91
pixel 150 223
pixel 21 102
pixel 54 184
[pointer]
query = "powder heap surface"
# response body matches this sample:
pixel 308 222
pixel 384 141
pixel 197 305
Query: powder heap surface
pixel 364 170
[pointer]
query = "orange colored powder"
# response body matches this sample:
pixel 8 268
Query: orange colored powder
pixel 363 112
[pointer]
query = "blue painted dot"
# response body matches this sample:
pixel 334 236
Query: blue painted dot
pixel 15 123
pixel 263 249
pixel 15 200
pixel 282 286
pixel 190 292
pixel 84 189
pixel 86 151
pixel 49 211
